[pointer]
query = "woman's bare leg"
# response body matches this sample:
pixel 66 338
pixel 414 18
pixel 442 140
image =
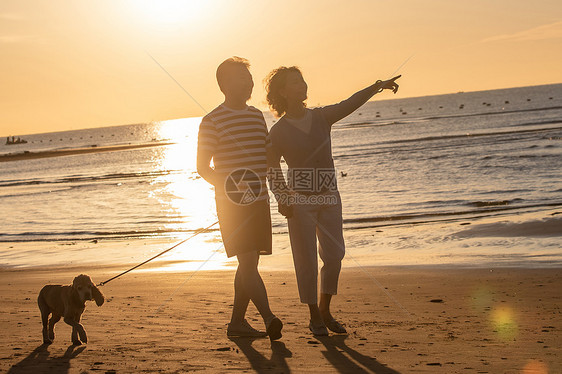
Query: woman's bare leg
pixel 324 307
pixel 315 315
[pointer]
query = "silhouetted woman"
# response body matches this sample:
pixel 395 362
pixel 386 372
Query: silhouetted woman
pixel 311 200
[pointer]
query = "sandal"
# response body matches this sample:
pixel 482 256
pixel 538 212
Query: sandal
pixel 336 327
pixel 319 330
pixel 273 328
pixel 243 329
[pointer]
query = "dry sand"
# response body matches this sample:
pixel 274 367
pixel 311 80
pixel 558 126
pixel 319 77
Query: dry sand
pixel 400 319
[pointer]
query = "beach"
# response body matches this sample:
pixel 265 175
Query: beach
pixel 399 319
pixel 418 161
pixel 452 224
pixel 454 308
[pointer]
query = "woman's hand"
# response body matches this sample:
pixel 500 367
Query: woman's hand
pixel 285 210
pixel 389 84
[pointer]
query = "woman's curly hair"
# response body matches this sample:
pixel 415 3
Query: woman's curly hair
pixel 274 82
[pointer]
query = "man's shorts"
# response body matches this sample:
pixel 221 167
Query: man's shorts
pixel 245 228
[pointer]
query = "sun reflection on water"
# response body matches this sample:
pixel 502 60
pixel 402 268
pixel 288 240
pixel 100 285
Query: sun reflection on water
pixel 187 199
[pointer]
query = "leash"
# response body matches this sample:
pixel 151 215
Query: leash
pixel 160 254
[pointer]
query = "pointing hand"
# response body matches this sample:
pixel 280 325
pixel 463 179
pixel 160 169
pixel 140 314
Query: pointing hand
pixel 389 84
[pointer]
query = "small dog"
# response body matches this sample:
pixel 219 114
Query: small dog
pixel 68 302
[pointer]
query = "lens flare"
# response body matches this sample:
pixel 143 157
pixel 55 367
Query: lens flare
pixel 535 367
pixel 481 298
pixel 504 323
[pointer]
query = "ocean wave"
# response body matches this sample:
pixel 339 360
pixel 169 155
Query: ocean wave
pixel 417 120
pixel 512 157
pixel 93 235
pixel 484 208
pixel 377 148
pixel 409 218
pixel 551 226
pixel 34 193
pixel 480 204
pixel 473 135
pixel 537 123
pixel 502 192
pixel 372 124
pixel 91 178
pixel 58 152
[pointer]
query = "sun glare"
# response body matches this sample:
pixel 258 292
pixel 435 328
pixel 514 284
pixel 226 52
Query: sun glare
pixel 169 12
pixel 189 195
pixel 187 199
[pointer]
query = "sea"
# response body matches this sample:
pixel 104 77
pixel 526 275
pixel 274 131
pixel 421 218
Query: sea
pixel 401 162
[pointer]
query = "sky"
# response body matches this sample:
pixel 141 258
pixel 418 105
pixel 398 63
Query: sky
pixel 81 64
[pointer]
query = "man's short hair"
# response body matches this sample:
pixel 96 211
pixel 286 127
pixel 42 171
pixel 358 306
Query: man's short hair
pixel 224 68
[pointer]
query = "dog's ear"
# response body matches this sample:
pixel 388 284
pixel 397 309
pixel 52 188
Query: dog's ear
pixel 98 296
pixel 75 282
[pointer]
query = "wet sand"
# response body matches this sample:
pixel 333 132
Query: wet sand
pixel 74 151
pixel 399 319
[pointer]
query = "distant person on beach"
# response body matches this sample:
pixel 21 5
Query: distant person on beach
pixel 310 200
pixel 233 136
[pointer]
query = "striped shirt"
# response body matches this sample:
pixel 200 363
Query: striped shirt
pixel 235 139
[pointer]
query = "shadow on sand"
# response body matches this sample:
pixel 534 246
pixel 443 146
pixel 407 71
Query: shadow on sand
pixel 40 361
pixel 259 362
pixel 348 360
pixel 343 358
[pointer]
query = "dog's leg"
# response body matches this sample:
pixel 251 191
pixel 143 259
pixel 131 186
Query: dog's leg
pixel 82 333
pixel 74 337
pixel 54 319
pixel 45 311
pixel 77 330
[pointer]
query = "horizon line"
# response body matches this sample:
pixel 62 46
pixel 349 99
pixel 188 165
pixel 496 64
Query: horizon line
pixel 268 111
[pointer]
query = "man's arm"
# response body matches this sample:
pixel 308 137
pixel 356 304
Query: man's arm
pixel 333 113
pixel 206 145
pixel 204 167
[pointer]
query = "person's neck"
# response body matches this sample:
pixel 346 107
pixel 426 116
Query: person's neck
pixel 295 110
pixel 235 104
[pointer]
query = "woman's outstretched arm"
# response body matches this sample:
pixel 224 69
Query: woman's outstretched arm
pixel 333 113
